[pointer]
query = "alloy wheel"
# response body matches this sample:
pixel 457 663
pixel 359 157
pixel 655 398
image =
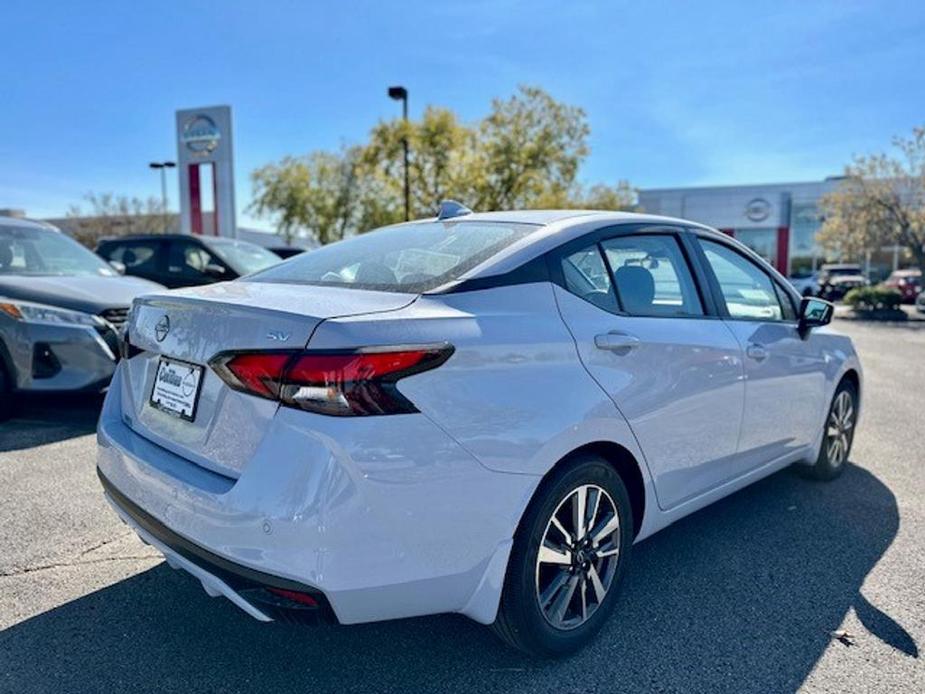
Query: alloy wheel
pixel 577 558
pixel 838 429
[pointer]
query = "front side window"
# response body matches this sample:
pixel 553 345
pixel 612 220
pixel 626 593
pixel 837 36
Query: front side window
pixel 786 303
pixel 651 276
pixel 411 258
pixel 748 291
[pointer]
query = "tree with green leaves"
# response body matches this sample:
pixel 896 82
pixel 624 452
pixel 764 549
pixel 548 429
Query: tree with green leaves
pixel 880 202
pixel 439 163
pixel 316 193
pixel 529 148
pixel 524 154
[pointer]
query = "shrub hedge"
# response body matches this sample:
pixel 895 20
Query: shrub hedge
pixel 873 299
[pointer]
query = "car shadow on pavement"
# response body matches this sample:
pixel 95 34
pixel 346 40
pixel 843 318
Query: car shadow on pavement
pixel 742 596
pixel 43 419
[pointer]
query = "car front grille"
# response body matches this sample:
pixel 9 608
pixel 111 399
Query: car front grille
pixel 115 316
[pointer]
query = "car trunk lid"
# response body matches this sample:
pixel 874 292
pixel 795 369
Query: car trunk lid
pixel 191 326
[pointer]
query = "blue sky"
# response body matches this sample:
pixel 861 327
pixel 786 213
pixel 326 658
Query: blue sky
pixel 678 93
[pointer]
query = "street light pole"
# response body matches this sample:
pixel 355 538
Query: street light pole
pixel 163 166
pixel 401 94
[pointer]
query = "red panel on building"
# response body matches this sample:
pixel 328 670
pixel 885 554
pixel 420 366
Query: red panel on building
pixel 195 198
pixel 783 249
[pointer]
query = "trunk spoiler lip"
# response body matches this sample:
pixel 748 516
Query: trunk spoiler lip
pixel 167 300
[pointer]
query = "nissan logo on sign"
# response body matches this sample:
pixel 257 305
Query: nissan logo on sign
pixel 200 135
pixel 758 210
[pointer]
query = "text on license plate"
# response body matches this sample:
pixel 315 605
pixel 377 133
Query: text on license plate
pixel 176 388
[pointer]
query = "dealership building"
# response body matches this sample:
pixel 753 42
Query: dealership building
pixel 779 221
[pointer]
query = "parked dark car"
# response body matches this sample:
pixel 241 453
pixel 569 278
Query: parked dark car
pixel 907 282
pixel 836 280
pixel 181 260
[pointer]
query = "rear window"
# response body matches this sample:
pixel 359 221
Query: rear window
pixel 411 258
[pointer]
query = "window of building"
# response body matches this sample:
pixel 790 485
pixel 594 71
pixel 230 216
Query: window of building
pixel 805 256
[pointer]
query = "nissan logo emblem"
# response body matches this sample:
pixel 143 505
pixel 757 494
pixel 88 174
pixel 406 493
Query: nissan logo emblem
pixel 758 210
pixel 200 135
pixel 162 328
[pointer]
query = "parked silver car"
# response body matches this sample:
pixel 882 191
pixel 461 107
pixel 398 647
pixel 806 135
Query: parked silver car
pixel 60 310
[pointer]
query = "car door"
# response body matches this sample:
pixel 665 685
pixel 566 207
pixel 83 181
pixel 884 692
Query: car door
pixel 649 337
pixel 784 370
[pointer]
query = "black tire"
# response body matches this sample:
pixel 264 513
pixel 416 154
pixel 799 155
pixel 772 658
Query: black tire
pixel 521 621
pixel 832 460
pixel 6 394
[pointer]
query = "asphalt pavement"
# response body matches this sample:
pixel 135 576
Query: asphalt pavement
pixel 787 585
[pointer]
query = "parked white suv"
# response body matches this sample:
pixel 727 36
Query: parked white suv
pixel 478 413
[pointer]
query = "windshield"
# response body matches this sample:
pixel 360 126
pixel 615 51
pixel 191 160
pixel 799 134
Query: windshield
pixel 410 258
pixel 244 257
pixel 32 251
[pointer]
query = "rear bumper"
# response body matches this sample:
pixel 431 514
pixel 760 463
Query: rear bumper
pixel 382 519
pixel 245 587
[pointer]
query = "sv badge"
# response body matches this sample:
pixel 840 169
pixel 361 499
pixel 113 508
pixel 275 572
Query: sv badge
pixel 278 335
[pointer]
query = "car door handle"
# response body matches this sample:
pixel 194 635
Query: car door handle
pixel 621 343
pixel 756 352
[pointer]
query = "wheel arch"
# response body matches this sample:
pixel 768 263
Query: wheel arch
pixel 853 377
pixel 624 463
pixel 630 471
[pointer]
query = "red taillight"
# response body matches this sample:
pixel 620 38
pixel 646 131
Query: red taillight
pixel 342 383
pixel 295 596
pixel 258 373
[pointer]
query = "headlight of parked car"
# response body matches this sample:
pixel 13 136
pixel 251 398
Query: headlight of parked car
pixel 29 312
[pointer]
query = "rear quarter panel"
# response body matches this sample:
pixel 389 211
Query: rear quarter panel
pixel 514 393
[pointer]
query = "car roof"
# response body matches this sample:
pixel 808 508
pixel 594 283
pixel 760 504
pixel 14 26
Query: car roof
pixel 19 222
pixel 554 228
pixel 172 237
pixel 147 237
pixel 547 217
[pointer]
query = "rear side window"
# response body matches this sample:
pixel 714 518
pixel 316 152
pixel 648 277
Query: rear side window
pixel 747 289
pixel 410 258
pixel 651 276
pixel 586 276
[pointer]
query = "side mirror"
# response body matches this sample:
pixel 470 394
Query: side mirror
pixel 117 266
pixel 213 270
pixel 814 313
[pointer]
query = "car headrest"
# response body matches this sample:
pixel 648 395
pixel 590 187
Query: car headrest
pixel 6 254
pixel 373 272
pixel 636 288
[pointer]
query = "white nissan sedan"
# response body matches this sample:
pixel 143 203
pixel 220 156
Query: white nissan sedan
pixel 475 413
